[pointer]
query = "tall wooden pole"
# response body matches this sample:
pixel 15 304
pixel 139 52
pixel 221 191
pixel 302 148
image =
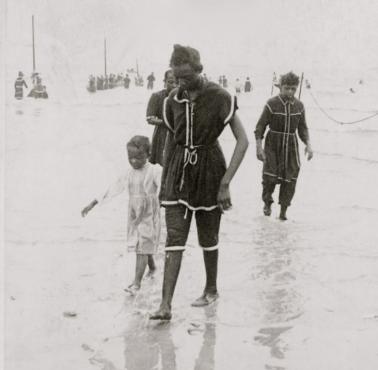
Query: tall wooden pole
pixel 33 44
pixel 105 56
pixel 300 86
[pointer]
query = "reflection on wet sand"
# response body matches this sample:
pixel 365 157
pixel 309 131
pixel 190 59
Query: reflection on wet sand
pixel 279 296
pixel 152 347
pixel 149 347
pixel 205 359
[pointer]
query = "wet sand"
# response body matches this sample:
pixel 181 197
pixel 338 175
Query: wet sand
pixel 293 296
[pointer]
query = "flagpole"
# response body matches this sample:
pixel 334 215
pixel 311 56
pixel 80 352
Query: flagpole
pixel 300 86
pixel 105 56
pixel 33 44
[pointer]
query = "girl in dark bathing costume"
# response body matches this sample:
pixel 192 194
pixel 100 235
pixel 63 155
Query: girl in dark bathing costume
pixel 196 179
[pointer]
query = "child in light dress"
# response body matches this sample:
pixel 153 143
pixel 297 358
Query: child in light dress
pixel 142 182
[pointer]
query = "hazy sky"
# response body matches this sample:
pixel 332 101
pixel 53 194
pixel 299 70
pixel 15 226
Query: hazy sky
pixel 304 34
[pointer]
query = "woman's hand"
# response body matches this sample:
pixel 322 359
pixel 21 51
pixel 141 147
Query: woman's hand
pixel 224 197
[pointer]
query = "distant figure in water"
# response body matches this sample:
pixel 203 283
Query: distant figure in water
pixel 155 117
pixel 308 84
pixel 352 90
pixel 92 84
pixel 285 115
pixel 238 86
pixel 19 86
pixel 126 81
pixel 139 81
pixel 142 182
pixel 361 82
pixel 151 80
pixel 224 82
pixel 196 178
pixel 247 85
pixel 39 90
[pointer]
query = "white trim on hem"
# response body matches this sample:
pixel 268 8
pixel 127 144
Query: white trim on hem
pixel 279 177
pixel 183 202
pixel 175 248
pixel 209 249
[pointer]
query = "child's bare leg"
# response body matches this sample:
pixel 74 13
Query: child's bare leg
pixel 151 263
pixel 140 267
pixel 151 266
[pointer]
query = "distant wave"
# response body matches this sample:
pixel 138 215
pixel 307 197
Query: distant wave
pixel 356 131
pixel 367 160
pixel 64 241
pixel 343 109
pixel 360 208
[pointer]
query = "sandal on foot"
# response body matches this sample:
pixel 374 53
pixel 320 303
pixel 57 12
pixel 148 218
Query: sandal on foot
pixel 205 300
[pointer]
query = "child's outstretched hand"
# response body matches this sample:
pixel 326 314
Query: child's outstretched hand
pixel 309 152
pixel 85 210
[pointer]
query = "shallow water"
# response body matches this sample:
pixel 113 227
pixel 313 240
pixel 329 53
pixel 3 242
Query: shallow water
pixel 295 295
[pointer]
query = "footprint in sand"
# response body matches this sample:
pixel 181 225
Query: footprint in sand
pixel 195 328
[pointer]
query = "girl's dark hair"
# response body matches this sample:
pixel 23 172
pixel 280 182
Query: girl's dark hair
pixel 186 55
pixel 140 143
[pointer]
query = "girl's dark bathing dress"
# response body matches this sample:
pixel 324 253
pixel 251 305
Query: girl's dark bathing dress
pixel 195 161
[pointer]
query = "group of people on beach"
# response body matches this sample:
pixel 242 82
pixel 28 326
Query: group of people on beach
pixel 184 169
pixel 115 80
pixel 238 85
pixel 38 90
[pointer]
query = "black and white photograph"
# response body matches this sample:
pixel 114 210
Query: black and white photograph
pixel 189 185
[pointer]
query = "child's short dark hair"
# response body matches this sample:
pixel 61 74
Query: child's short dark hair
pixel 140 143
pixel 186 55
pixel 290 79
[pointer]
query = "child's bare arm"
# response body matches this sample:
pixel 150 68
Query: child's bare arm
pixel 86 209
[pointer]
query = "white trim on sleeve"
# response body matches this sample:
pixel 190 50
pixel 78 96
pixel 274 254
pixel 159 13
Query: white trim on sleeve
pixel 165 115
pixel 231 110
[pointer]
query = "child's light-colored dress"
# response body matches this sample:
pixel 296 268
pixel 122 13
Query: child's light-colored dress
pixel 143 185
